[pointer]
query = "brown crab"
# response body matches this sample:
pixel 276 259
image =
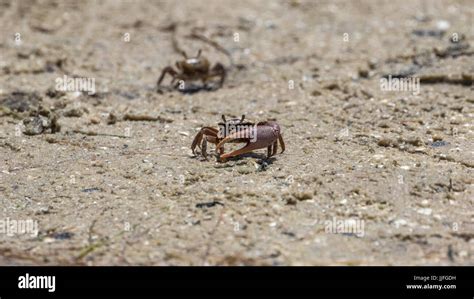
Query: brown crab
pixel 192 69
pixel 265 134
pixel 256 136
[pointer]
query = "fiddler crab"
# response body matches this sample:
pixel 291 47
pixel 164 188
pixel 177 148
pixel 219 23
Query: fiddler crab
pixel 192 69
pixel 264 134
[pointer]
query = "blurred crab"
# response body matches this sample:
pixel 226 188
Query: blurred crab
pixel 265 134
pixel 192 69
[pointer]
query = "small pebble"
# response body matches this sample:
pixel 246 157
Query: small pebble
pixel 424 203
pixel 400 222
pixel 442 25
pixel 425 211
pixel 385 142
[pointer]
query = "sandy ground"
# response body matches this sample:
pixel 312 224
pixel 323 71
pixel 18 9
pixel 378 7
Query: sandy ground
pixel 107 190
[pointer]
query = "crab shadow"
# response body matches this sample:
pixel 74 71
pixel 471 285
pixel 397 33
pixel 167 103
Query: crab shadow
pixel 261 158
pixel 189 89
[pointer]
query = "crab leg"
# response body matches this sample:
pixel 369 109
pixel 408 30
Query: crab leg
pixel 282 143
pixel 166 70
pixel 204 148
pixel 204 131
pixel 275 148
pixel 207 138
pixel 269 151
pixel 219 71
